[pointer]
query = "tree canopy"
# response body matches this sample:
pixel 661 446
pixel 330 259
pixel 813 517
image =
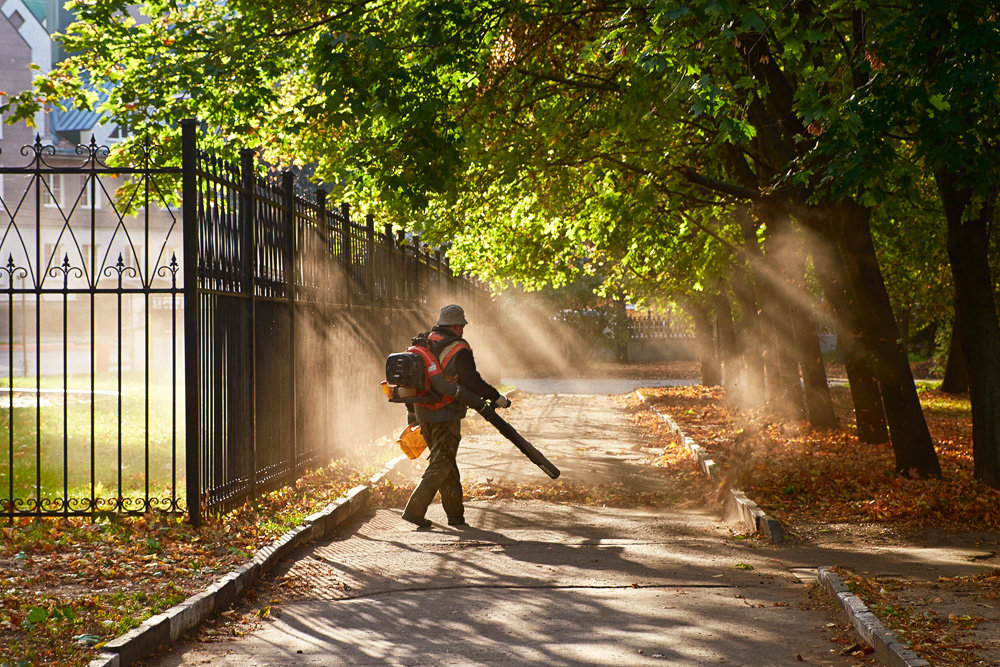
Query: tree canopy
pixel 706 149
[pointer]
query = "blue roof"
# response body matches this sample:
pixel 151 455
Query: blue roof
pixel 38 8
pixel 73 119
pixel 76 119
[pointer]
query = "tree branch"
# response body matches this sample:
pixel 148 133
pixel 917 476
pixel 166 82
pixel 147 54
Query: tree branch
pixel 326 19
pixel 569 82
pixel 719 186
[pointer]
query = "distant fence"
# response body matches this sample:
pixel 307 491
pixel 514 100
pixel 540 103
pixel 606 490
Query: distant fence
pixel 650 326
pixel 158 359
pixel 654 338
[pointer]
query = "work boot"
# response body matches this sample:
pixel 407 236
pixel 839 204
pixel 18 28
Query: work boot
pixel 457 521
pixel 418 521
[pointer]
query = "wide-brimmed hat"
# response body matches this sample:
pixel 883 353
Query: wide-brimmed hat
pixel 451 315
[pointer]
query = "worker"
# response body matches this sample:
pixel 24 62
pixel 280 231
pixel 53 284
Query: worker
pixel 441 423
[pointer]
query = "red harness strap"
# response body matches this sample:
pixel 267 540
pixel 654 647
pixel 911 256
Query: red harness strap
pixel 434 366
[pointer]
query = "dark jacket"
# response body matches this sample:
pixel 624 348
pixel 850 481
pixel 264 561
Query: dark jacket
pixel 462 365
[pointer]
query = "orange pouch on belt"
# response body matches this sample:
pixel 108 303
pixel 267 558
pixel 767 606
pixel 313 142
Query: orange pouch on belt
pixel 411 441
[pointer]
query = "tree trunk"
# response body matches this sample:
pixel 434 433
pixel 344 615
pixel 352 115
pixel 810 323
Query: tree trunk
pixel 903 322
pixel 752 390
pixel 773 285
pixel 968 243
pixel 956 373
pixel 819 403
pixel 869 414
pixel 781 368
pixel 729 353
pixel 711 370
pixel 745 292
pixel 911 440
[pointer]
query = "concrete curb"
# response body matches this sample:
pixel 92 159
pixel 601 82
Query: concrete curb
pixel 889 650
pixel 169 625
pixel 736 502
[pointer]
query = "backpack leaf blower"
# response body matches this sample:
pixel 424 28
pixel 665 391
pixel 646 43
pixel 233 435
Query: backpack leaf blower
pixel 416 376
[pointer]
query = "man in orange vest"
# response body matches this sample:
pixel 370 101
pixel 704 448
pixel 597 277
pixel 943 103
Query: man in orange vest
pixel 441 423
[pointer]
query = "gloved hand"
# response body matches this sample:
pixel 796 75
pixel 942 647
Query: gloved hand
pixel 502 402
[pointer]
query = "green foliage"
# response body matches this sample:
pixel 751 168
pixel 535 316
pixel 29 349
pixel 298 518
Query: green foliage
pixel 550 141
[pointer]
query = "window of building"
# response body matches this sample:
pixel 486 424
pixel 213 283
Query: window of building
pixel 88 183
pixel 52 189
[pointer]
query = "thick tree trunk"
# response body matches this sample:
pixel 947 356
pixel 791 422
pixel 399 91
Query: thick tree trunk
pixel 869 415
pixel 781 368
pixel 752 391
pixel 956 373
pixel 745 292
pixel 911 440
pixel 711 370
pixel 775 287
pixel 903 322
pixel 818 402
pixel 968 244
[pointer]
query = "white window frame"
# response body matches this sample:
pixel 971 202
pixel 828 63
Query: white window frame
pixel 53 190
pixel 85 199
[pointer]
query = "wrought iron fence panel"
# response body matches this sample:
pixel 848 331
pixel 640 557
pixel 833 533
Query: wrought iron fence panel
pixel 88 262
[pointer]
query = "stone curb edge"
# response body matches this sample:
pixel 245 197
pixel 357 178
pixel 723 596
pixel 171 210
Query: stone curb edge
pixel 753 518
pixel 169 625
pixel 889 650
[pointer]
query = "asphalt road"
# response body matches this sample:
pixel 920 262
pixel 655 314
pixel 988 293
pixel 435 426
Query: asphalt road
pixel 533 582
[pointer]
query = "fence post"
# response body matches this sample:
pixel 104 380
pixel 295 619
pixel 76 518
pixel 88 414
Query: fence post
pixel 389 265
pixel 401 275
pixel 192 371
pixel 419 291
pixel 370 260
pixel 440 278
pixel 288 192
pixel 346 250
pixel 248 228
pixel 324 232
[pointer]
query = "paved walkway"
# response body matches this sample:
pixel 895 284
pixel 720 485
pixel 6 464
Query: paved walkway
pixel 587 387
pixel 540 583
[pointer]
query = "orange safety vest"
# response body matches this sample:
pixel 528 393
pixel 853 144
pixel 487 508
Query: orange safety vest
pixel 436 366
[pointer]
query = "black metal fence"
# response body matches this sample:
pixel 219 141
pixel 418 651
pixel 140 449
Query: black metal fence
pixel 297 305
pixel 92 304
pixel 158 365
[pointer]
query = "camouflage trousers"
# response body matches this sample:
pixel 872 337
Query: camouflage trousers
pixel 442 471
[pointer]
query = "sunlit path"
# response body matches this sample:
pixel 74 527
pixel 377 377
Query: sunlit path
pixel 532 582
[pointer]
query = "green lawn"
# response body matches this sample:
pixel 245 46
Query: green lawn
pixel 74 445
